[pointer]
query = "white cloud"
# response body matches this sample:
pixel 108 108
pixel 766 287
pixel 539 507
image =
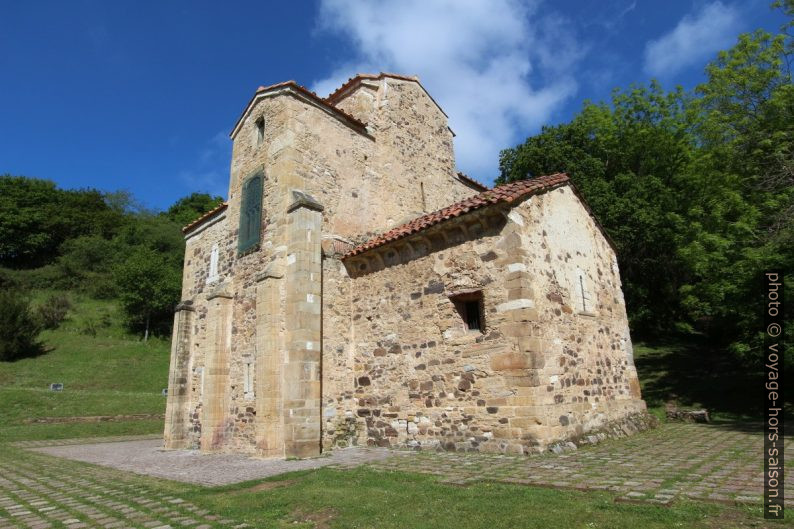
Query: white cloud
pixel 498 67
pixel 210 172
pixel 696 37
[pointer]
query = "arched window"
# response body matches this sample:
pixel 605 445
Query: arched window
pixel 260 131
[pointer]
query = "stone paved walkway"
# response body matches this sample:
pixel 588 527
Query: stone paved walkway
pixel 674 461
pixel 190 466
pixel 36 492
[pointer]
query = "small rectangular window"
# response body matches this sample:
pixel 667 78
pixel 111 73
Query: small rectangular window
pixel 469 305
pixel 212 276
pixel 582 294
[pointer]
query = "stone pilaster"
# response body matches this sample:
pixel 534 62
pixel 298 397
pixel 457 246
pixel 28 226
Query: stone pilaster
pixel 303 319
pixel 216 382
pixel 269 363
pixel 176 411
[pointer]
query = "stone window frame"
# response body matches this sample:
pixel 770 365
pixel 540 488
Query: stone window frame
pixel 250 213
pixel 213 275
pixel 584 296
pixel 462 301
pixel 248 378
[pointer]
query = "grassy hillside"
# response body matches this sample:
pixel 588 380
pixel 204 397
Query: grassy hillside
pixel 104 372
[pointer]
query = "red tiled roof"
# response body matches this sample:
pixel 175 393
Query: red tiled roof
pixel 350 120
pixel 501 194
pixel 471 181
pixel 206 216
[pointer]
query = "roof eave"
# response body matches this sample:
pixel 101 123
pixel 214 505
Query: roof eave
pixel 204 218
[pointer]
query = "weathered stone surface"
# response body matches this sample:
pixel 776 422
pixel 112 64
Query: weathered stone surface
pixel 291 348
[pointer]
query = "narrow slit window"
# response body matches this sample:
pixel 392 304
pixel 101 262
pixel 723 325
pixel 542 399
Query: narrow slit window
pixel 212 277
pixel 260 131
pixel 248 381
pixel 584 296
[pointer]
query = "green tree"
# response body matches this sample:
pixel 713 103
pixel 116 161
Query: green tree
pixel 36 218
pixel 148 283
pixel 187 209
pixel 696 189
pixel 19 329
pixel 628 159
pixel 746 154
pixel 86 264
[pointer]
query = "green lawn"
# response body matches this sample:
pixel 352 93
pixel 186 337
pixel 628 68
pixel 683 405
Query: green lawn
pixel 112 373
pixel 366 498
pixel 106 373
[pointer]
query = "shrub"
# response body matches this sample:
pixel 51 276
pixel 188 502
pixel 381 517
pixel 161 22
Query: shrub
pixel 53 311
pixel 7 279
pixel 89 328
pixel 19 328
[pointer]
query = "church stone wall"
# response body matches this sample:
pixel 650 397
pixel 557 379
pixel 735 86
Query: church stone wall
pixel 413 152
pixel 540 372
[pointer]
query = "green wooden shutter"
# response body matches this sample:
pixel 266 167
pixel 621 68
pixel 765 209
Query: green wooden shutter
pixel 250 214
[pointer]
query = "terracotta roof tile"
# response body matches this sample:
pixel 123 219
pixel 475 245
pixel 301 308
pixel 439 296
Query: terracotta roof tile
pixel 206 216
pixel 501 194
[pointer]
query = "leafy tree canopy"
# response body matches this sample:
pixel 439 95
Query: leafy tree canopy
pixel 187 209
pixel 104 244
pixel 696 188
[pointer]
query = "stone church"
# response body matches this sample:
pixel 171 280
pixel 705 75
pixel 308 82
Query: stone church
pixel 356 289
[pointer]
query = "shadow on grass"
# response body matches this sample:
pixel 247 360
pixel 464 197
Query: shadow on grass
pixel 20 352
pixel 698 375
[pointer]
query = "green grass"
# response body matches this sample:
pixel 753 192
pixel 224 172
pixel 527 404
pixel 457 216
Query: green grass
pixel 109 373
pixel 39 432
pixel 363 497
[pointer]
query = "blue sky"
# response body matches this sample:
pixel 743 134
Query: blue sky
pixel 142 95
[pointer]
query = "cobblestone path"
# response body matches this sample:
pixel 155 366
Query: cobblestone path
pixel 703 462
pixel 39 492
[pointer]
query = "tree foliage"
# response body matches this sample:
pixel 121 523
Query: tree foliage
pixel 695 188
pixel 187 209
pixel 102 244
pixel 36 218
pixel 149 288
pixel 19 328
